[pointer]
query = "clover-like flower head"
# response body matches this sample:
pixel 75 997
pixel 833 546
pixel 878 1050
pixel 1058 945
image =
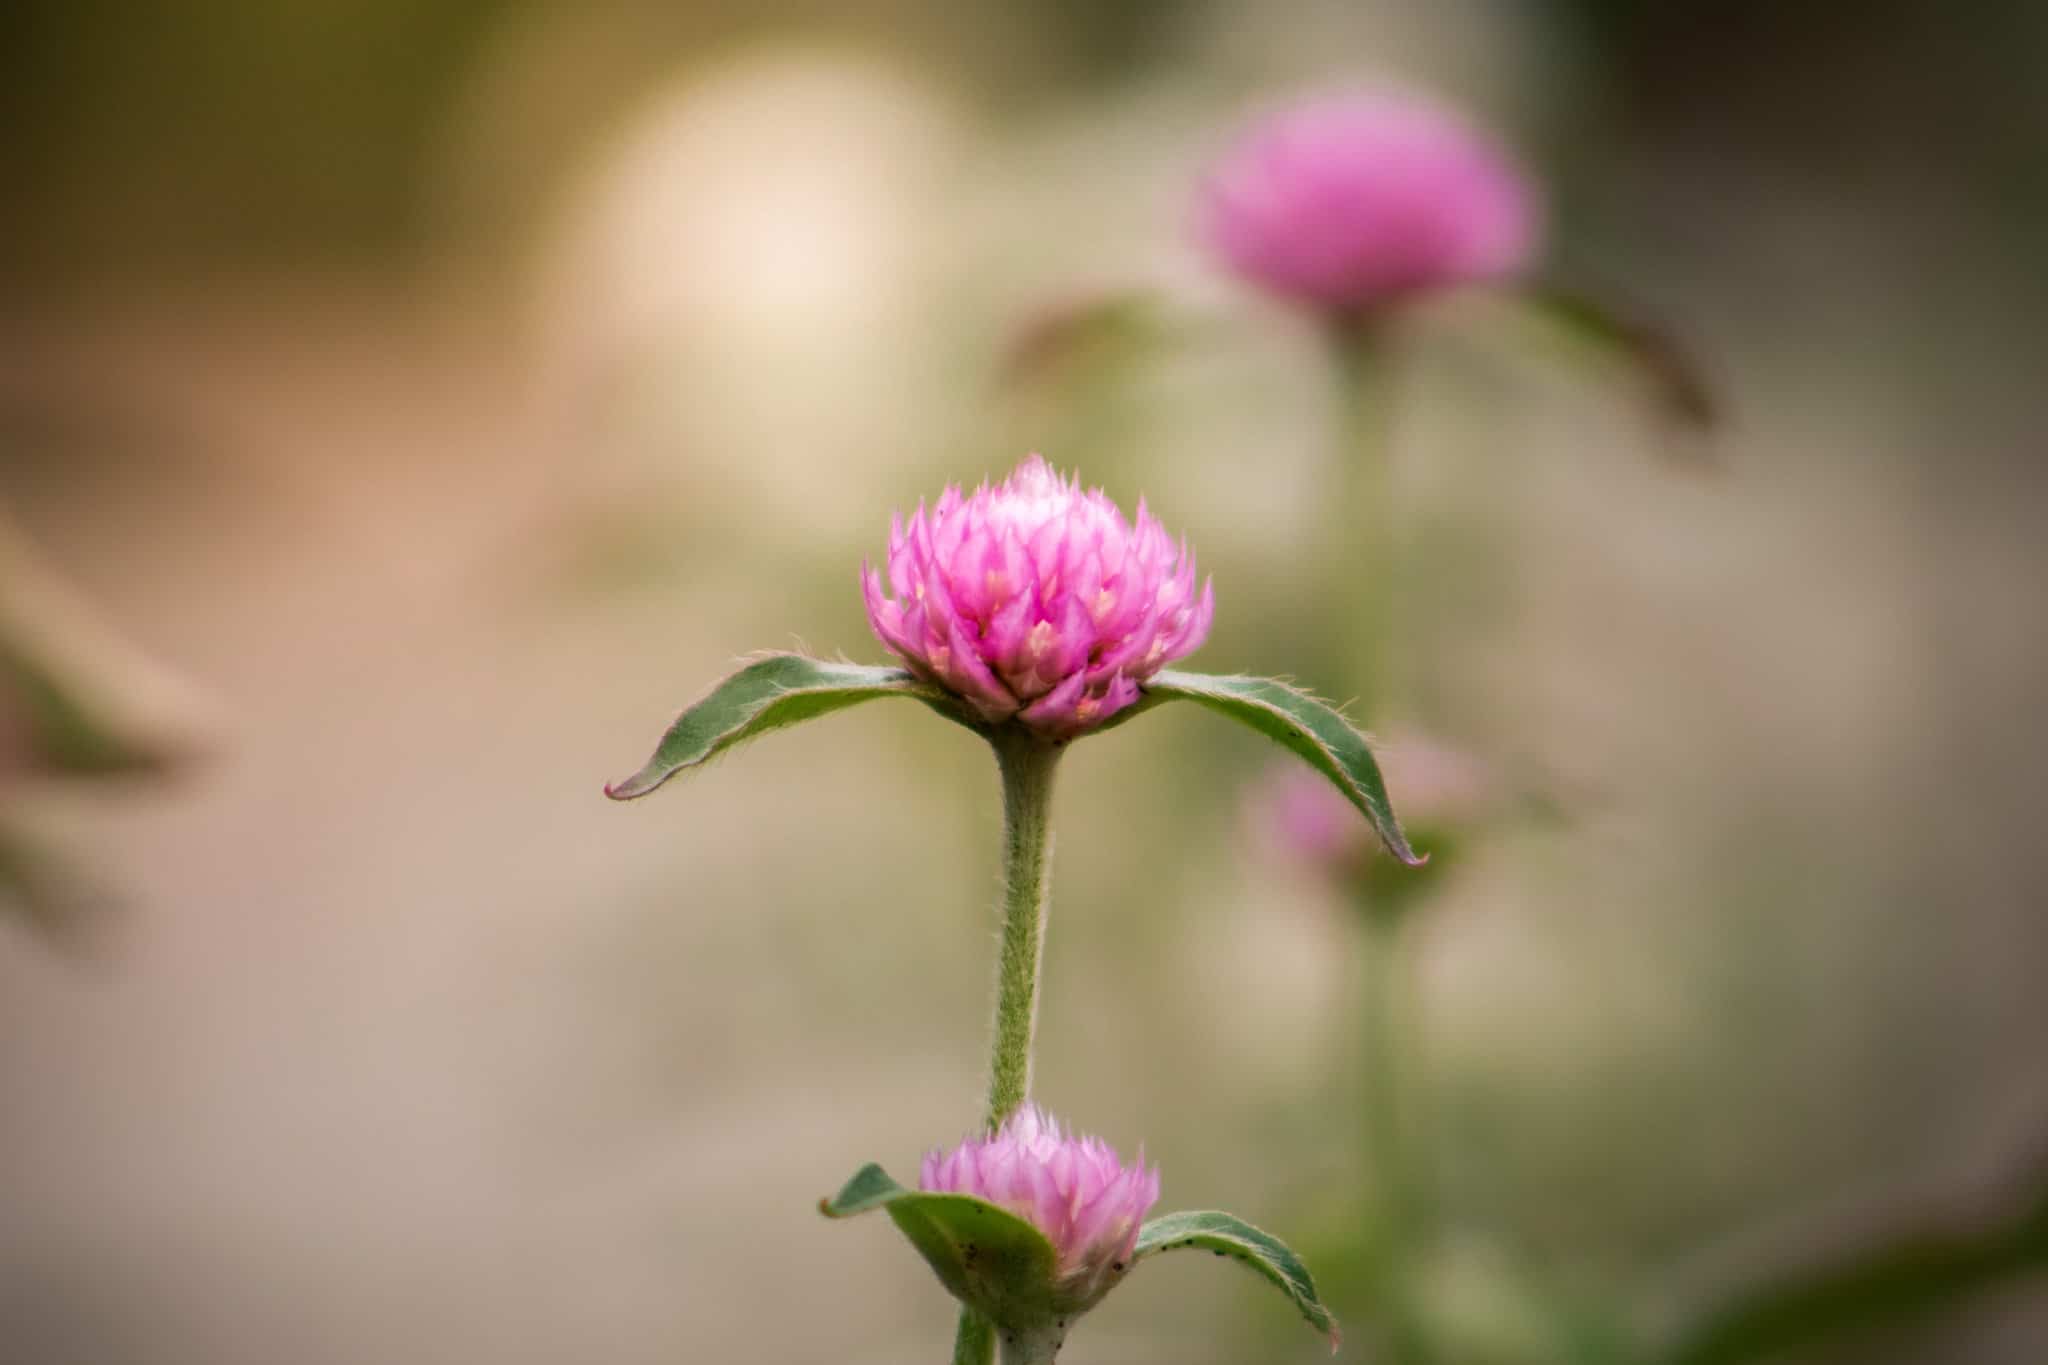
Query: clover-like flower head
pixel 1075 1190
pixel 1037 601
pixel 1351 202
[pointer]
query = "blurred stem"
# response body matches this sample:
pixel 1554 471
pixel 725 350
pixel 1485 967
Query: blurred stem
pixel 1360 537
pixel 1383 1043
pixel 1390 1033
pixel 1026 763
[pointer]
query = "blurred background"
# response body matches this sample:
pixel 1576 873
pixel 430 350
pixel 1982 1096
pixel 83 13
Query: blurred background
pixel 434 397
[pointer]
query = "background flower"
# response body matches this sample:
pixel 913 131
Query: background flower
pixel 1350 202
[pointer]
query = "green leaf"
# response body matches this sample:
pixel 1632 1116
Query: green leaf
pixel 770 693
pixel 69 731
pixel 1313 730
pixel 77 699
pixel 987 1257
pixel 1103 330
pixel 1920 1269
pixel 1610 328
pixel 1389 891
pixel 56 895
pixel 1226 1235
pixel 871 1188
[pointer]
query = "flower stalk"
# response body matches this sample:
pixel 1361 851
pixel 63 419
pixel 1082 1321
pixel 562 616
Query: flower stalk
pixel 1359 538
pixel 975 1341
pixel 1026 762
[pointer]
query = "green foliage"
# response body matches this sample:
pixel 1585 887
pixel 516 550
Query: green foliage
pixel 1919 1271
pixel 1226 1235
pixel 1313 730
pixel 51 893
pixel 987 1257
pixel 771 693
pixel 1003 1268
pixel 74 723
pixel 1610 330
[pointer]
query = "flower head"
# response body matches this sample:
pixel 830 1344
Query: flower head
pixel 1296 814
pixel 1075 1190
pixel 1347 203
pixel 1036 600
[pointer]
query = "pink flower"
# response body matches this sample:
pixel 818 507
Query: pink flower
pixel 1296 814
pixel 1348 203
pixel 1075 1190
pixel 1036 600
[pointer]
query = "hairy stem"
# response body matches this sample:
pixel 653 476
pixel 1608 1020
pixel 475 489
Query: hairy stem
pixel 1027 763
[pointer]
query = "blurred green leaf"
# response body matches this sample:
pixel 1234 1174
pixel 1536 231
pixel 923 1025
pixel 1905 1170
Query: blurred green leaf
pixel 76 698
pixel 68 730
pixel 771 693
pixel 1226 1235
pixel 51 893
pixel 1918 1271
pixel 1100 331
pixel 1616 331
pixel 1312 730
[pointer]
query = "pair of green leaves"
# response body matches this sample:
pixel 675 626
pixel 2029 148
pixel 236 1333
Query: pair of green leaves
pixel 779 690
pixel 998 1264
pixel 1004 1268
pixel 994 1259
pixel 1119 325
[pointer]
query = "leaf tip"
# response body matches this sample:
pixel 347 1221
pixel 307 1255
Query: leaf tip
pixel 634 787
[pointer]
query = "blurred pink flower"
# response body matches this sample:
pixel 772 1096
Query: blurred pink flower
pixel 1295 814
pixel 1075 1190
pixel 1036 600
pixel 1349 202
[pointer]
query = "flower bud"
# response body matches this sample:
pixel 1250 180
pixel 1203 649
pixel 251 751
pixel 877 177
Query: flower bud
pixel 1075 1190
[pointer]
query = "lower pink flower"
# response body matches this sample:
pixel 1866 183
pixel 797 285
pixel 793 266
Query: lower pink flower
pixel 1075 1190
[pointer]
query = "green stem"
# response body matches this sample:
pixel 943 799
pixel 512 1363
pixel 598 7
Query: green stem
pixel 1394 1206
pixel 1041 1349
pixel 1382 1045
pixel 1026 763
pixel 1359 538
pixel 975 1342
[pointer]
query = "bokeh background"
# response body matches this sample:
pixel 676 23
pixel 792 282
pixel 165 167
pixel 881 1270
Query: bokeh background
pixel 438 395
